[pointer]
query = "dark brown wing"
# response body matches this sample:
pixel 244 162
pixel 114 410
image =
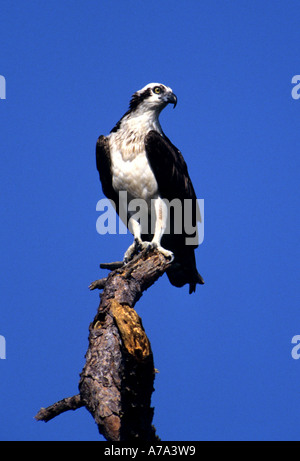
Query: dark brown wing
pixel 103 162
pixel 171 174
pixel 169 167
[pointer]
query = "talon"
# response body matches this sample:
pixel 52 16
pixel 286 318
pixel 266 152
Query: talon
pixel 172 257
pixel 129 254
pixel 134 248
pixel 167 253
pixel 146 246
pixel 138 244
pixel 149 247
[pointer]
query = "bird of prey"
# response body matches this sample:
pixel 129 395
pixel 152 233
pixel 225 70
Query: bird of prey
pixel 138 158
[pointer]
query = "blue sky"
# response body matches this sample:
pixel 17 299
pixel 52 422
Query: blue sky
pixel 223 354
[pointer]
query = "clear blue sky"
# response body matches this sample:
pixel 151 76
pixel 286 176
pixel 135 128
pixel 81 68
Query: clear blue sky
pixel 224 353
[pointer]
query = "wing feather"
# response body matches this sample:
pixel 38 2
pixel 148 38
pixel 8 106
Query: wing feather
pixel 169 167
pixel 171 173
pixel 103 162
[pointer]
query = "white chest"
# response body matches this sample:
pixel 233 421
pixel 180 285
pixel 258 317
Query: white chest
pixel 133 175
pixel 130 168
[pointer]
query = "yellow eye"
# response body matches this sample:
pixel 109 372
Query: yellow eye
pixel 157 90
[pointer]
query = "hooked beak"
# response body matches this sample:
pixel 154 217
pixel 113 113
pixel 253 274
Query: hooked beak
pixel 170 98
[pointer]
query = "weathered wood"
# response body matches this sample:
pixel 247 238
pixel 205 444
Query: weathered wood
pixel 69 403
pixel 117 380
pixel 97 284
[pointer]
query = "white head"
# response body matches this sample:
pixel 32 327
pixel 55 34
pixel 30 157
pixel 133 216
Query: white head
pixel 154 96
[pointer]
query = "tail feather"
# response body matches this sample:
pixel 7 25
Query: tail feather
pixel 192 288
pixel 184 271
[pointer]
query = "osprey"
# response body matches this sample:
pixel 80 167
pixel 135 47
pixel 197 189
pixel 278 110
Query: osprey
pixel 137 161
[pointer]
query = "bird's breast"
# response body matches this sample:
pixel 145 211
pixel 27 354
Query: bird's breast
pixel 132 173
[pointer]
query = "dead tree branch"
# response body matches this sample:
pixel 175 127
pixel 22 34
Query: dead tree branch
pixel 116 382
pixel 69 403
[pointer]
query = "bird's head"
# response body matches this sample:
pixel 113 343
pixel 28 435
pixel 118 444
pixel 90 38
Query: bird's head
pixel 154 96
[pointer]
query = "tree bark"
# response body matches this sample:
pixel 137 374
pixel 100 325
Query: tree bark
pixel 117 380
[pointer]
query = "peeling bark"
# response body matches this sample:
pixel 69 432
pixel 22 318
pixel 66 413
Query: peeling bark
pixel 117 380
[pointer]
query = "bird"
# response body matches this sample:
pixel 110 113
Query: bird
pixel 137 161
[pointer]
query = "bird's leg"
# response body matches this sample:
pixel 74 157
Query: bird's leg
pixel 136 246
pixel 161 216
